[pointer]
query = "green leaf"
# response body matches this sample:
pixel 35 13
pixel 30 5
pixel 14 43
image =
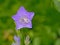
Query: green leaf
pixel 37 41
pixel 57 42
pixel 57 4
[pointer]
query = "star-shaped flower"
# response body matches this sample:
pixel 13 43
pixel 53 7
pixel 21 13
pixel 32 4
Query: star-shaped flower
pixel 23 18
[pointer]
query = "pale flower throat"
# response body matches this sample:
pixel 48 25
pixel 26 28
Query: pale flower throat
pixel 24 20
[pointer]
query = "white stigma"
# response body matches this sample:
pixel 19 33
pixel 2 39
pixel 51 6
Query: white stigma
pixel 24 20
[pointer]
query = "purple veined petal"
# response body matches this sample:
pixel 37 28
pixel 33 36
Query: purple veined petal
pixel 16 17
pixel 30 15
pixel 21 11
pixel 18 25
pixel 29 25
pixel 22 25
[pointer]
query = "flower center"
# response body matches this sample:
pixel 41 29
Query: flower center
pixel 24 20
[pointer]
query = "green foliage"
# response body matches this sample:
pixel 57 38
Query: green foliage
pixel 57 4
pixel 46 22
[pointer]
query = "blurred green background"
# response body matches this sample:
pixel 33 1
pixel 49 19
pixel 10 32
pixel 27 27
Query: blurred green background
pixel 46 22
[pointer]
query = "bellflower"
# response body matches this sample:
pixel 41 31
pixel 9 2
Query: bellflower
pixel 17 41
pixel 23 18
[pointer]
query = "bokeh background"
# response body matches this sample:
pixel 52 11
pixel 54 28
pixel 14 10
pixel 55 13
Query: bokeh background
pixel 46 22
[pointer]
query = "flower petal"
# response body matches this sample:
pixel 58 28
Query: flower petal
pixel 15 17
pixel 30 15
pixel 18 25
pixel 21 11
pixel 29 25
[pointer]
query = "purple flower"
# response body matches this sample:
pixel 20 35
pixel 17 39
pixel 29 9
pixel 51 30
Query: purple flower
pixel 17 41
pixel 23 18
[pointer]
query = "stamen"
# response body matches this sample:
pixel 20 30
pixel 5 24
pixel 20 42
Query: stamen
pixel 24 20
